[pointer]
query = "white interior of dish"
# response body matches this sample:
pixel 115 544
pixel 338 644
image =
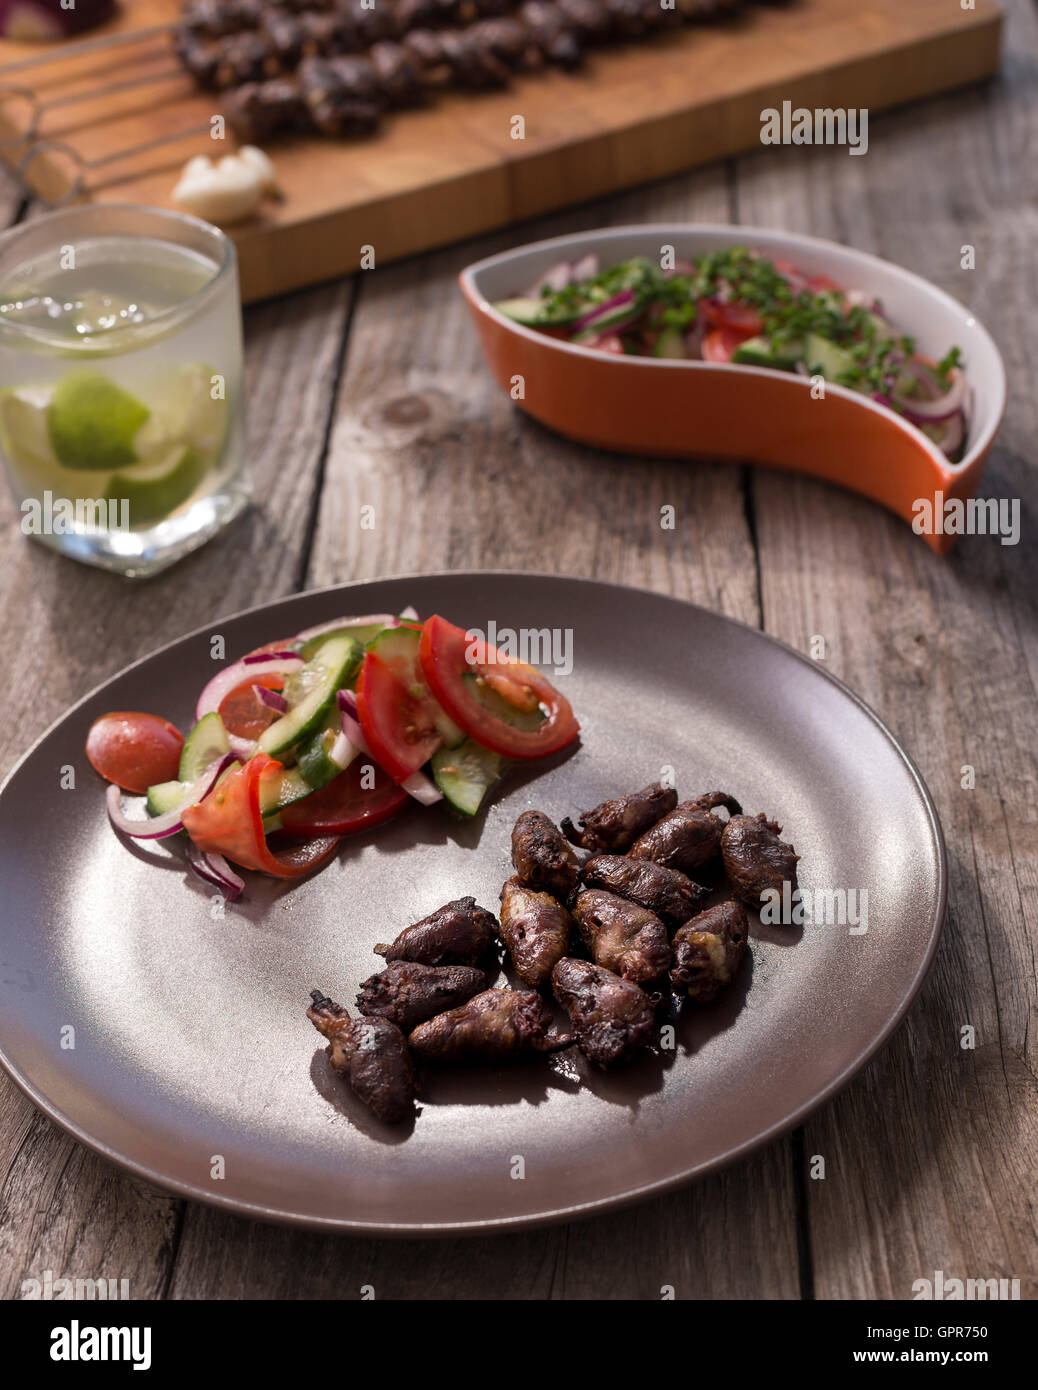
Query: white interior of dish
pixel 920 309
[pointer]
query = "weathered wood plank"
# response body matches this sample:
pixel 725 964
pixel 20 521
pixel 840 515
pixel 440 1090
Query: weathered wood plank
pixel 63 1209
pixel 928 1152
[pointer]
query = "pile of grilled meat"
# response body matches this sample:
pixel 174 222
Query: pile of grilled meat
pixel 614 939
pixel 333 68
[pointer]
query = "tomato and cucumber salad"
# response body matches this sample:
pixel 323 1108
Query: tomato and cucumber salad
pixel 325 734
pixel 735 305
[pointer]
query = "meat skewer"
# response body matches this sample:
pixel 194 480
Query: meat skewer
pixel 264 68
pixel 277 39
pixel 346 95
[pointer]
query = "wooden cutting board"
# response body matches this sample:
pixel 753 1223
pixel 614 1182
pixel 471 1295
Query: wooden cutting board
pixel 454 169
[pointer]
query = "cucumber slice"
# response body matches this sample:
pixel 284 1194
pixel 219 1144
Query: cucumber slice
pixel 275 793
pixel 540 313
pixel 311 691
pixel 670 343
pixel 762 352
pixel 315 765
pixel 464 774
pixel 165 796
pixel 363 635
pixel 398 648
pixel 831 359
pixel 206 742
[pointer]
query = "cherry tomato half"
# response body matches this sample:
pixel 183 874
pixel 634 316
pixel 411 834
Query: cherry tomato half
pixel 449 655
pixel 720 343
pixel 134 750
pixel 346 805
pixel 396 724
pixel 739 318
pixel 243 712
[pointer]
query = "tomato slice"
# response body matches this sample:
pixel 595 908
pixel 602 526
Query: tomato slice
pixel 720 343
pixel 821 284
pixel 229 822
pixel 243 712
pixel 346 805
pixel 739 318
pixel 608 342
pixel 397 725
pixel 449 654
pixel 134 750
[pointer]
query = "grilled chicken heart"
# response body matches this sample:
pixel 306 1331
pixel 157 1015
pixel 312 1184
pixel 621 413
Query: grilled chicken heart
pixel 615 825
pixel 708 951
pixel 371 1053
pixel 535 928
pixel 497 1023
pixel 612 1018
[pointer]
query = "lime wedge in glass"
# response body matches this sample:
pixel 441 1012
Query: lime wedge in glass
pixel 155 489
pixel 93 423
pixel 23 425
pixel 185 410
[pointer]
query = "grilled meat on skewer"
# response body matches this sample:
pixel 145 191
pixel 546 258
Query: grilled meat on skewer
pixel 408 993
pixel 535 928
pixel 708 951
pixel 611 1017
pixel 459 933
pixel 615 825
pixel 543 860
pixel 497 1023
pixel 342 95
pixel 372 1054
pixel 689 837
pixel 335 96
pixel 755 859
pixel 621 936
pixel 667 892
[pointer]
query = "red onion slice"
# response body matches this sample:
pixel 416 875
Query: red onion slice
pixel 585 269
pixel 337 624
pixel 936 411
pixel 420 787
pixel 410 614
pixel 231 677
pixel 350 727
pixel 343 750
pixel 588 320
pixel 214 868
pixel 273 699
pixel 159 827
pixel 254 658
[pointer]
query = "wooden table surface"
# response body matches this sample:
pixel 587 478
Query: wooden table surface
pixel 370 390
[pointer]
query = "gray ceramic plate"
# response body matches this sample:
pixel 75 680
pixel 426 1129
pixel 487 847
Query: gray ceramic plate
pixel 190 1037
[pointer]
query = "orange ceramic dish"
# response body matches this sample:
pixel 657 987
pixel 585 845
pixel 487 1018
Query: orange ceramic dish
pixel 687 409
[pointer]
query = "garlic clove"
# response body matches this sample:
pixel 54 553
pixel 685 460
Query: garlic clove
pixel 256 159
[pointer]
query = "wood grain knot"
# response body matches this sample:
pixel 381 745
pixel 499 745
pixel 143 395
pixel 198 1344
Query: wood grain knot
pixel 406 410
